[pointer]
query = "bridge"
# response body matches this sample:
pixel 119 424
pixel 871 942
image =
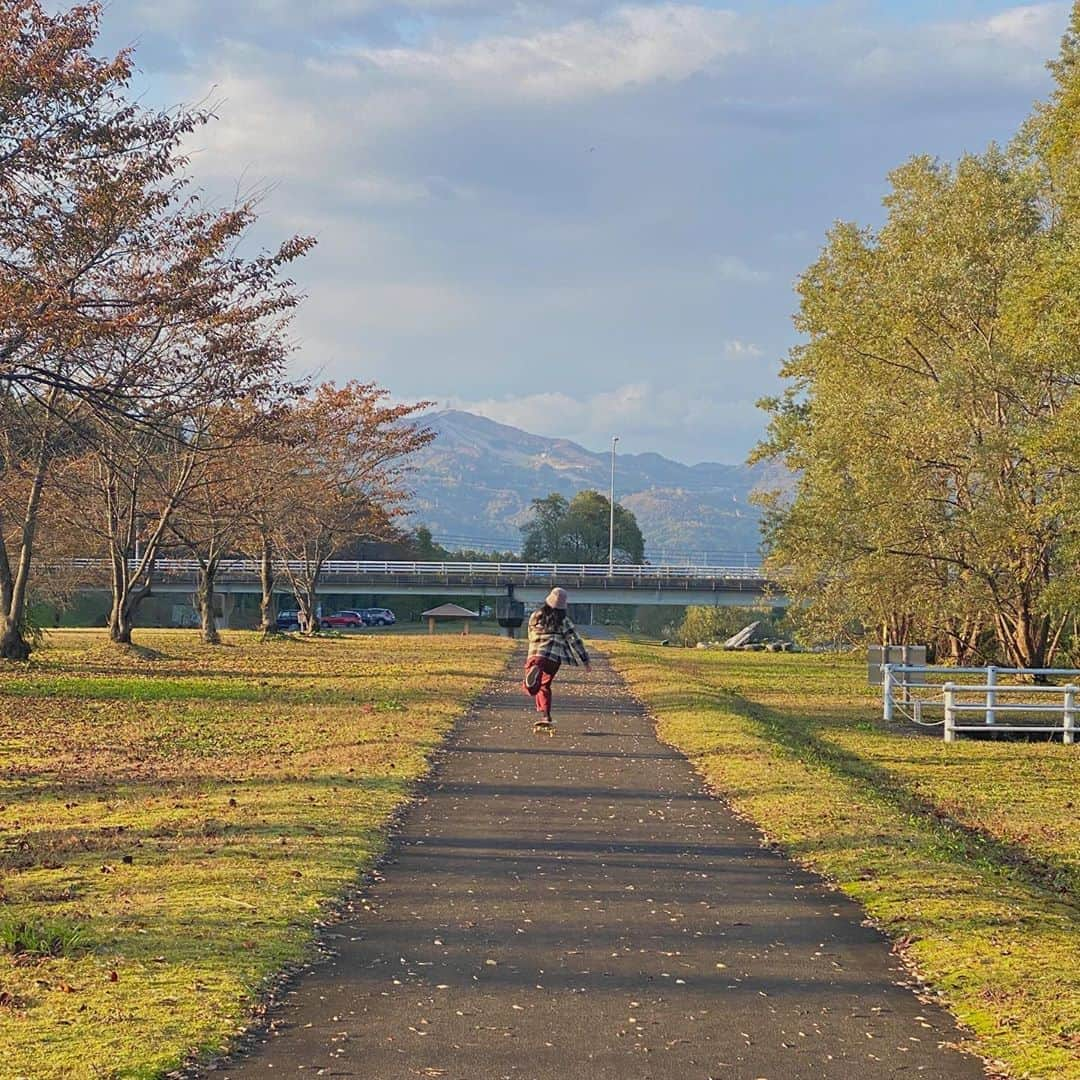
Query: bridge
pixel 731 586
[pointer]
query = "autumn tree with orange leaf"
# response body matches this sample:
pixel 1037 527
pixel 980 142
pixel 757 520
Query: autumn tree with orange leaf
pixel 349 451
pixel 245 473
pixel 125 311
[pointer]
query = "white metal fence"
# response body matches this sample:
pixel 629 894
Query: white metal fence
pixel 919 691
pixel 435 570
pixel 960 700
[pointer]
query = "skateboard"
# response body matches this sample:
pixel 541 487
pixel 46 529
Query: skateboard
pixel 542 726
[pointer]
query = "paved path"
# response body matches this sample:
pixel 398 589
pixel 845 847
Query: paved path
pixel 579 907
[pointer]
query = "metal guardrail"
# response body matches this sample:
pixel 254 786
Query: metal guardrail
pixel 545 571
pixel 910 686
pixel 954 707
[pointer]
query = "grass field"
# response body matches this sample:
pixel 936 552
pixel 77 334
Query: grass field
pixel 968 855
pixel 175 819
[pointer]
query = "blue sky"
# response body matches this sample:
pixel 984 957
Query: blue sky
pixel 577 216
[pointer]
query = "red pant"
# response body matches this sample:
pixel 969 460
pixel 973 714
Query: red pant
pixel 542 691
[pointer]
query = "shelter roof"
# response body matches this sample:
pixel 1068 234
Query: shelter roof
pixel 450 611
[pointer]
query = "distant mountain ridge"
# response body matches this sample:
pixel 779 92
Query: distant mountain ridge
pixel 473 486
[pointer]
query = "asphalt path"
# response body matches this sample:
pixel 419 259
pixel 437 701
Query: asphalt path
pixel 580 907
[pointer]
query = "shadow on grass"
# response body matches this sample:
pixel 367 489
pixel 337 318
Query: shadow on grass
pixel 166 687
pixel 205 820
pixel 141 652
pixel 189 785
pixel 954 840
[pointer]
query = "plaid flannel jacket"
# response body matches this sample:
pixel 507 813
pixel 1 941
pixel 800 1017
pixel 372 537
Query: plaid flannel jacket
pixel 564 644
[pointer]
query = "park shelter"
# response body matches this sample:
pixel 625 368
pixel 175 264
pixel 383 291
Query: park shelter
pixel 449 611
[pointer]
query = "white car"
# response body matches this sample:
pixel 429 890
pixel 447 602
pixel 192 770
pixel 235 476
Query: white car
pixel 378 616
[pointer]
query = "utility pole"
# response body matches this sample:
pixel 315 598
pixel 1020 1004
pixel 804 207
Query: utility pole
pixel 611 532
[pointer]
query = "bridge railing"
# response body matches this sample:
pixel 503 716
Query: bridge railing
pixel 450 571
pixel 552 571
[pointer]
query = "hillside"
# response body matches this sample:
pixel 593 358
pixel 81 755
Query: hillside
pixel 474 483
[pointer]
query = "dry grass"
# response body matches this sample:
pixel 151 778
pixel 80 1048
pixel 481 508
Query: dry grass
pixel 969 855
pixel 191 811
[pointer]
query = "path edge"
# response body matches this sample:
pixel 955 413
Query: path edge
pixel 338 909
pixel 915 982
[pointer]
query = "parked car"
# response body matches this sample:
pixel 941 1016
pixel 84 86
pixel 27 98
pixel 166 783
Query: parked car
pixel 288 620
pixel 379 616
pixel 352 620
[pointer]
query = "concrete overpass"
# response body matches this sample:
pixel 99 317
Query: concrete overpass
pixel 731 586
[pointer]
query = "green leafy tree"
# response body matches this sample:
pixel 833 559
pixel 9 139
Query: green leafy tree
pixel 1044 314
pixel 578 531
pixel 543 534
pixel 913 419
pixel 427 550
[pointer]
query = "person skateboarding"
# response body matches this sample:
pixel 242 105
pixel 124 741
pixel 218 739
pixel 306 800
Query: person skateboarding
pixel 553 640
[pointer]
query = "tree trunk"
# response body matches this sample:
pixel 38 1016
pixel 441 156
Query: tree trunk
pixel 15 584
pixel 305 584
pixel 896 629
pixel 13 646
pixel 1024 638
pixel 205 599
pixel 120 623
pixel 961 640
pixel 126 601
pixel 308 605
pixel 267 580
pixel 117 631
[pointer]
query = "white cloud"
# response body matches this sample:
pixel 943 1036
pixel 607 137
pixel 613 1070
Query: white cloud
pixel 252 15
pixel 633 46
pixel 351 312
pixel 302 110
pixel 1009 47
pixel 679 422
pixel 732 268
pixel 737 347
pixel 282 120
pixel 1034 26
pixel 642 44
pixel 520 204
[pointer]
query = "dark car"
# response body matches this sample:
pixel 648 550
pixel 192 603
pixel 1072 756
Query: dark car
pixel 378 616
pixel 288 620
pixel 344 620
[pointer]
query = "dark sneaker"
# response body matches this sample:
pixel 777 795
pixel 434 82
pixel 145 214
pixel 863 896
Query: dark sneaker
pixel 532 679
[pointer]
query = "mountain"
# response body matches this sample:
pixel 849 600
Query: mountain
pixel 474 483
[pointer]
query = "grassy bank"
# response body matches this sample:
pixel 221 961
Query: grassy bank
pixel 174 819
pixel 968 855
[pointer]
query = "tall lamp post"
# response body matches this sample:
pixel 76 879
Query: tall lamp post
pixel 611 531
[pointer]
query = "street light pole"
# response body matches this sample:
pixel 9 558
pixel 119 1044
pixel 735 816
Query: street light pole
pixel 611 532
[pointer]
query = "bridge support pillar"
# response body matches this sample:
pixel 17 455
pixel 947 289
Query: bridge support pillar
pixel 228 606
pixel 510 613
